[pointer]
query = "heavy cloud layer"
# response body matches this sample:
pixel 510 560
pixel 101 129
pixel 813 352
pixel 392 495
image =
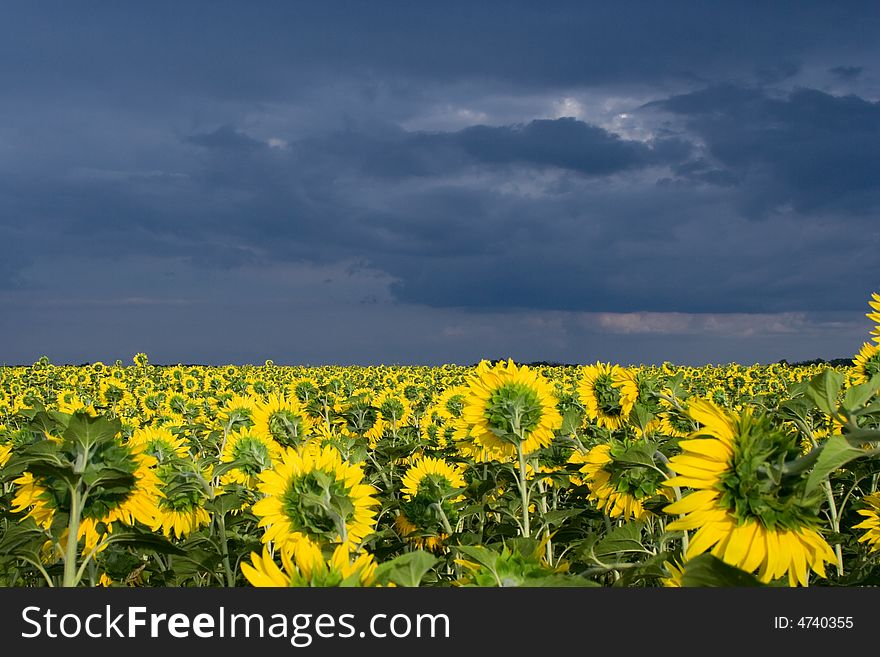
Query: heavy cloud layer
pixel 569 173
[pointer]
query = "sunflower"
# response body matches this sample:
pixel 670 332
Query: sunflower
pixel 866 363
pixel 871 522
pixel 113 391
pixel 674 421
pixel 160 443
pixel 151 404
pixel 181 509
pixel 394 410
pixel 418 538
pixel 312 493
pixel 178 405
pixel 514 566
pixel 433 478
pixel 238 411
pixel 431 426
pixel 255 453
pixel 875 316
pixel 304 389
pixel 431 491
pixel 191 385
pixel 509 408
pixel 284 419
pixel 306 565
pixel 608 393
pixel 748 519
pixel 132 499
pixel 5 454
pixel 451 401
pixel 616 486
pixel 70 402
pixel 437 425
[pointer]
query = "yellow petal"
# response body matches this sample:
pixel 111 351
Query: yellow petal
pixel 714 449
pixel 712 418
pixel 704 539
pixel 739 543
pixel 701 469
pixel 757 552
pixel 768 571
pixel 692 502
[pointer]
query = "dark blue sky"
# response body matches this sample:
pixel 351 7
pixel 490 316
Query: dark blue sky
pixel 351 182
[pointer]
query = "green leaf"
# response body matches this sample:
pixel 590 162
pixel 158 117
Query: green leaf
pixel 641 416
pixel 21 538
pixel 196 561
pixel 627 538
pixel 559 516
pixel 795 408
pixel 223 467
pixel 799 389
pixel 87 431
pixel 483 556
pixel 571 420
pixel 108 478
pixel 708 570
pixel 145 540
pixel 407 569
pixel 50 423
pixel 225 503
pixel 639 454
pixel 823 390
pixel 43 457
pixel 855 397
pixel 836 451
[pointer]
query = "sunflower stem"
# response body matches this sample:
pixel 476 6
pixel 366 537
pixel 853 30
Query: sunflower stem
pixel 70 551
pixel 835 524
pixel 523 490
pixel 380 470
pixel 443 519
pixel 224 439
pixel 224 549
pixel 543 490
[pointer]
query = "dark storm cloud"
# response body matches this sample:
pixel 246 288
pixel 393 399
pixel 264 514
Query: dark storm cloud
pixel 847 72
pixel 226 138
pixel 235 50
pixel 563 143
pixel 648 245
pixel 446 165
pixel 816 151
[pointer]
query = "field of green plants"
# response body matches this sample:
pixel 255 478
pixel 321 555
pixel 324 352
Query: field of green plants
pixel 494 475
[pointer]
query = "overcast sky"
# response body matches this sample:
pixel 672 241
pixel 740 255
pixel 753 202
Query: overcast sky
pixel 414 182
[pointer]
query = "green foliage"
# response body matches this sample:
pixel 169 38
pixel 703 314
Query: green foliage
pixel 708 570
pixel 409 569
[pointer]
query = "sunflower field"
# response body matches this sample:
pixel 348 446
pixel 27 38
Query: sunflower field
pixel 494 475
